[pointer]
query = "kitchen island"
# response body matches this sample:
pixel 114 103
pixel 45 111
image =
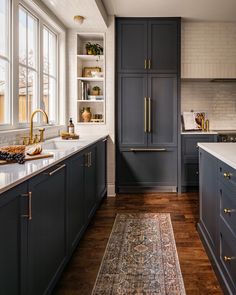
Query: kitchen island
pixel 217 223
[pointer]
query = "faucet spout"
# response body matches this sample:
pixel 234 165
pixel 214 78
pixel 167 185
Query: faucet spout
pixel 32 122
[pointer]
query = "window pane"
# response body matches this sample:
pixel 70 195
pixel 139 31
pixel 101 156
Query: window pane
pixel 52 54
pixel 4 95
pixel 45 51
pixel 45 105
pixel 23 101
pixel 22 36
pixel 32 41
pixel 4 28
pixel 52 100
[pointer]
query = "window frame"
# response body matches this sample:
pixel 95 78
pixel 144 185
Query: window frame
pixel 45 18
pixel 8 58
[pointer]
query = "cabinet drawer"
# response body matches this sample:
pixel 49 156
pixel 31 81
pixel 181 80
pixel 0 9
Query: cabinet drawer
pixel 147 169
pixel 228 207
pixel 228 252
pixel 189 143
pixel 227 175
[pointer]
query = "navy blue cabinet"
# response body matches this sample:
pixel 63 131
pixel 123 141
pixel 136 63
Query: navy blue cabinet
pixel 148 55
pixel 46 229
pixel 217 217
pixel 101 166
pixel 189 159
pixel 10 246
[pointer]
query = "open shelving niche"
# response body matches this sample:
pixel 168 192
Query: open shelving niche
pixel 97 104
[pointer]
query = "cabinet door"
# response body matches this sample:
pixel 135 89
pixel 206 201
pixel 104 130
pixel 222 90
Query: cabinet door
pixel 101 159
pixel 146 170
pixel 209 199
pixel 76 199
pixel 47 229
pixel 162 91
pixel 132 90
pixel 131 45
pixel 163 50
pixel 90 182
pixel 10 253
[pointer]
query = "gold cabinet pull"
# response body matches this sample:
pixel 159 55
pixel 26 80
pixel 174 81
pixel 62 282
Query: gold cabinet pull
pixel 148 150
pixel 57 169
pixel 145 114
pixel 145 64
pixel 228 211
pixel 90 159
pixel 149 114
pixel 149 64
pixel 227 175
pixel 29 215
pixel 227 258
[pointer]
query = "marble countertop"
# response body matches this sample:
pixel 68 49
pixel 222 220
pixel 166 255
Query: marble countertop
pixel 224 151
pixel 14 174
pixel 200 132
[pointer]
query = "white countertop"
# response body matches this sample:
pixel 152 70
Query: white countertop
pixel 13 174
pixel 200 132
pixel 224 151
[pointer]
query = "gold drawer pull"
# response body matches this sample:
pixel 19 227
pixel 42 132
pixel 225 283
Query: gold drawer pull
pixel 227 258
pixel 227 175
pixel 57 169
pixel 148 150
pixel 29 215
pixel 228 211
pixel 145 64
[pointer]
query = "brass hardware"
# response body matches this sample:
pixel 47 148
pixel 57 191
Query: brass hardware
pixel 145 114
pixel 41 134
pixel 148 150
pixel 32 123
pixel 29 195
pixel 90 161
pixel 86 160
pixel 227 175
pixel 207 125
pixel 227 258
pixel 57 169
pixel 149 114
pixel 228 211
pixel 145 64
pixel 36 139
pixel 203 124
pixel 25 140
pixel 149 64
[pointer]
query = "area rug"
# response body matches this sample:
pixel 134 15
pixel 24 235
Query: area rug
pixel 140 258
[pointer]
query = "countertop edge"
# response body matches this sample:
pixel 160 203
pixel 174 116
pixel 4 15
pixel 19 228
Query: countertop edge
pixel 27 177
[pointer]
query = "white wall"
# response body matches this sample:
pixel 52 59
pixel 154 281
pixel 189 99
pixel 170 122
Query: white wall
pixel 109 126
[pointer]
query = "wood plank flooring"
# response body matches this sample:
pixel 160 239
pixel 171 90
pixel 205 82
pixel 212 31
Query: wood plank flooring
pixel 198 275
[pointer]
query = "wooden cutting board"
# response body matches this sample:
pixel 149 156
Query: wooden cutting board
pixel 28 158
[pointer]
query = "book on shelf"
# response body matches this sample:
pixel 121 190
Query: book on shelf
pixel 84 90
pixel 95 97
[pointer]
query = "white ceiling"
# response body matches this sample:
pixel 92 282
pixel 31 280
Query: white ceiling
pixel 197 10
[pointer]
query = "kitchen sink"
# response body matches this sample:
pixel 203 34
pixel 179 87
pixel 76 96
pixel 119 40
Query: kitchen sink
pixel 60 145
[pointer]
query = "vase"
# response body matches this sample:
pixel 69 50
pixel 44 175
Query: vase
pixel 86 114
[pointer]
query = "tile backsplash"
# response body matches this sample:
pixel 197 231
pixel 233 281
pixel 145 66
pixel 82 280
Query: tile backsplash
pixel 217 99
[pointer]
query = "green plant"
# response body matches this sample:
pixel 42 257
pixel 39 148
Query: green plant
pixel 94 48
pixel 96 88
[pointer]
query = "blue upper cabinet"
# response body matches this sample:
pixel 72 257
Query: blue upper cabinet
pixel 148 45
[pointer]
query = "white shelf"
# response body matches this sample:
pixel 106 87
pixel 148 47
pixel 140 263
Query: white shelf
pixel 87 100
pixel 90 79
pixel 87 57
pixel 90 123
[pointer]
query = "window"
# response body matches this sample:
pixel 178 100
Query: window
pixel 4 62
pixel 49 103
pixel 28 74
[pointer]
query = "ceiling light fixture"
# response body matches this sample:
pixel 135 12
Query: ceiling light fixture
pixel 79 19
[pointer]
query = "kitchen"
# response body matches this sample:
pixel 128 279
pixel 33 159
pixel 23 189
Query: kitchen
pixel 137 154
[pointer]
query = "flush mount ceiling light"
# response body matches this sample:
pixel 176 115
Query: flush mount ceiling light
pixel 79 19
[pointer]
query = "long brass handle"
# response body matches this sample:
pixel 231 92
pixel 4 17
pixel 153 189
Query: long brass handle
pixel 149 114
pixel 56 170
pixel 149 64
pixel 145 114
pixel 29 215
pixel 148 150
pixel 90 159
pixel 145 64
pixel 86 160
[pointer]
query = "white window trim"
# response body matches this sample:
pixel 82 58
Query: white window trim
pixel 53 24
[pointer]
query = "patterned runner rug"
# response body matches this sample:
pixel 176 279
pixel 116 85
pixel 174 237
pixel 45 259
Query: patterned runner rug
pixel 140 258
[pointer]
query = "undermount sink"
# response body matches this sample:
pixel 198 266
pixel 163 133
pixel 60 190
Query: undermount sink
pixel 60 145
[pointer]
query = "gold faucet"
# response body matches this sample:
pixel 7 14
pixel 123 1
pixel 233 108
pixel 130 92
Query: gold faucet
pixel 31 139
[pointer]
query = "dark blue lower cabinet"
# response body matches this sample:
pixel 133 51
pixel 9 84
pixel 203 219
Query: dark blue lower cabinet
pixel 10 254
pixel 101 169
pixel 46 230
pixel 76 200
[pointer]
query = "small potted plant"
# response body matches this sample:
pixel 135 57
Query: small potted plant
pixel 96 90
pixel 93 48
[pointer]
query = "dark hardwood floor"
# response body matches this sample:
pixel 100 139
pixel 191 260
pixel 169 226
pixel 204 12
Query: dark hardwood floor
pixel 198 275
